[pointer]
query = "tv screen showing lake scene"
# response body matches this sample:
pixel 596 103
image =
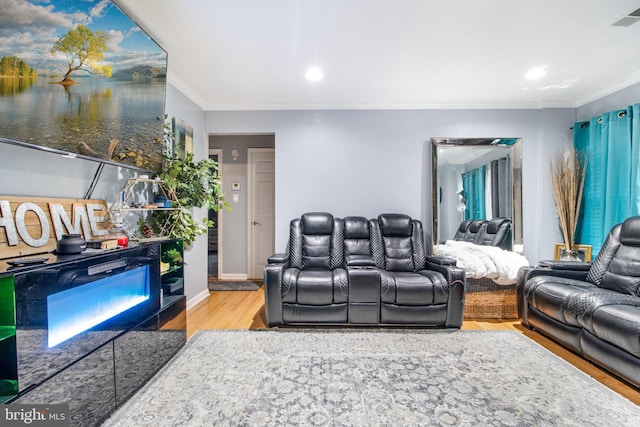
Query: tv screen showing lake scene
pixel 80 77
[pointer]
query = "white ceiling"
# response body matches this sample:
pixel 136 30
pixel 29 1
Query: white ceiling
pixel 388 54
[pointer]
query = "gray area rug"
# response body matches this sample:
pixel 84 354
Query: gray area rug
pixel 371 378
pixel 234 286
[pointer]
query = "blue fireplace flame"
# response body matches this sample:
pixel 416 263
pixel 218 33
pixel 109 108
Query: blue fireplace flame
pixel 75 310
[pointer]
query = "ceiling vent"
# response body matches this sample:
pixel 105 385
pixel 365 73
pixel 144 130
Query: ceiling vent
pixel 629 19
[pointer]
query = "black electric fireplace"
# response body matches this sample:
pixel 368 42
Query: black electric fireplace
pixel 79 303
pixel 80 308
pixel 90 329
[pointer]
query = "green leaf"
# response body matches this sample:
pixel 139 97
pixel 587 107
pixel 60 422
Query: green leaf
pixel 193 185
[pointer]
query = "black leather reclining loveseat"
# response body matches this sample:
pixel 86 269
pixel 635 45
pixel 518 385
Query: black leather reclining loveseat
pixel 494 232
pixel 592 309
pixel 356 271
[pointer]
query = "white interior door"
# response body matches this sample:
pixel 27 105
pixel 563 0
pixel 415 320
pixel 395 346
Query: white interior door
pixel 261 209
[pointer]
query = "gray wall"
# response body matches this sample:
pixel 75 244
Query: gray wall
pixel 374 161
pixel 195 272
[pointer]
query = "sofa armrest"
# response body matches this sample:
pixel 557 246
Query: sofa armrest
pixel 278 258
pixel 565 265
pixel 457 283
pixel 451 273
pixel 273 292
pixel 441 260
pixel 523 276
pixel 568 269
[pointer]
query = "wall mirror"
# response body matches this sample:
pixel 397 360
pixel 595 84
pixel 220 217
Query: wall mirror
pixel 458 166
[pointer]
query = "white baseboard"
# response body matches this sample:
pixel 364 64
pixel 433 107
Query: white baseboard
pixel 192 302
pixel 233 277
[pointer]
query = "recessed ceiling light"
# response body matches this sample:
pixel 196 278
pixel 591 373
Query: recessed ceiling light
pixel 314 74
pixel 536 73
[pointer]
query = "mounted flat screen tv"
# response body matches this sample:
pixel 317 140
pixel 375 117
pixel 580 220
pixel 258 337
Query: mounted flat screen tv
pixel 80 78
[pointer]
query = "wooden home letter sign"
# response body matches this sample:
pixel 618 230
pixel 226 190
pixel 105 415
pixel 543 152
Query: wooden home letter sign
pixel 30 225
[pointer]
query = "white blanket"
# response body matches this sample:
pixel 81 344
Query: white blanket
pixel 480 261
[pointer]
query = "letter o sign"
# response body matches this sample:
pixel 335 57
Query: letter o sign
pixel 21 226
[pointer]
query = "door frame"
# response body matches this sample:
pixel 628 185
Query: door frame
pixel 250 152
pixel 218 152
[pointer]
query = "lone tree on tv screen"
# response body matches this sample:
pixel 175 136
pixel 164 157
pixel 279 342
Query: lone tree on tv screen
pixel 84 49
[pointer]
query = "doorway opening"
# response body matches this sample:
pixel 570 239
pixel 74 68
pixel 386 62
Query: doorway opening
pixel 241 237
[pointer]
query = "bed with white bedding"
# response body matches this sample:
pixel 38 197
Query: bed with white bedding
pixel 480 261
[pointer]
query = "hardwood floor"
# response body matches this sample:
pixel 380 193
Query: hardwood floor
pixel 245 310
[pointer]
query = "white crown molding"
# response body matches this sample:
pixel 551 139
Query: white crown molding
pixel 532 105
pixel 620 85
pixel 394 106
pixel 185 90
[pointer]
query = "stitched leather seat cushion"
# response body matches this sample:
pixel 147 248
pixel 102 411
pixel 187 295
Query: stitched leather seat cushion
pixel 550 295
pixel 619 325
pixel 420 288
pixel 315 286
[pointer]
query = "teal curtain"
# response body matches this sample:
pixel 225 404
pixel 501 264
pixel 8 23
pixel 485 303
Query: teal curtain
pixel 611 143
pixel 474 183
pixel 634 113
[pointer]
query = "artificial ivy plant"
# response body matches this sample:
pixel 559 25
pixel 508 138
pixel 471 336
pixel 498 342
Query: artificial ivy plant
pixel 192 185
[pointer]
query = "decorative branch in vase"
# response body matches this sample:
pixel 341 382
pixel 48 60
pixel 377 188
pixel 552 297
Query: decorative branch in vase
pixel 568 170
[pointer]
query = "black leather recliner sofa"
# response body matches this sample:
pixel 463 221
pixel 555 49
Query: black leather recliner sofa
pixel 473 230
pixel 356 271
pixel 592 309
pixel 494 232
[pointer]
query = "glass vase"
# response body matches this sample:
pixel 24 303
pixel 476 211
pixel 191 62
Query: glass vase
pixel 571 255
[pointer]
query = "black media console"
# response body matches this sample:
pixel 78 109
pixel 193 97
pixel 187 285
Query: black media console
pixel 90 329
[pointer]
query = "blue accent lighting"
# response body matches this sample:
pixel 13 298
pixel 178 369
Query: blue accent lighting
pixel 75 310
